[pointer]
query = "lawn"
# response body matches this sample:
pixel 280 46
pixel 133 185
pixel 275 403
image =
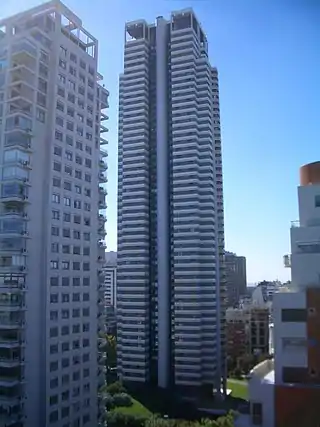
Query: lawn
pixel 135 409
pixel 239 388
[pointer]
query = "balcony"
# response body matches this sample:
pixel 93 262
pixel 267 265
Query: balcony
pixel 103 165
pixel 104 117
pixel 102 204
pixel 103 153
pixel 10 395
pixel 14 192
pixel 23 49
pixel 11 321
pixel 287 260
pixel 22 74
pixel 18 139
pixel 102 244
pixel 103 141
pixel 103 129
pixel 102 232
pixel 21 91
pixel 102 178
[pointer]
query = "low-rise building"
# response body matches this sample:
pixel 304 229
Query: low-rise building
pixel 286 392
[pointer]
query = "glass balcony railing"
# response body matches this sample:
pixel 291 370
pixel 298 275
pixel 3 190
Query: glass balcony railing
pixel 102 177
pixel 103 165
pixel 19 139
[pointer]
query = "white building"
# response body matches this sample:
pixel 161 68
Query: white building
pixel 51 294
pixel 110 279
pixel 285 392
pixel 170 207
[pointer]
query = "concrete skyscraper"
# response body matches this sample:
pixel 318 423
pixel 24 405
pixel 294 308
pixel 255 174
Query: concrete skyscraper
pixel 170 279
pixel 51 233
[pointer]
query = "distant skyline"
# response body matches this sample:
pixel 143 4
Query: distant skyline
pixel 267 54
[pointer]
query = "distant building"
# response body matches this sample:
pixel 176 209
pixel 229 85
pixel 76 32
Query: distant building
pixel 236 277
pixel 110 291
pixel 247 331
pixel 286 391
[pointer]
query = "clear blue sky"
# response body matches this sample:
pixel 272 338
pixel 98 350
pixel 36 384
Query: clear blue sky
pixel 268 56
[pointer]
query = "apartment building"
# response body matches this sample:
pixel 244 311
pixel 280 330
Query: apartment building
pixel 170 277
pixel 51 232
pixel 236 277
pixel 247 331
pixel 285 391
pixel 110 279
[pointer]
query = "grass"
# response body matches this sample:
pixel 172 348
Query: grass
pixel 136 408
pixel 239 388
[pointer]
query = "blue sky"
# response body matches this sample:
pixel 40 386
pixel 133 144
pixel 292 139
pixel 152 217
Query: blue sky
pixel 267 53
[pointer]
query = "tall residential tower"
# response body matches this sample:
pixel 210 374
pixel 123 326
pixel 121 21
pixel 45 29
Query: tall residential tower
pixel 51 286
pixel 170 207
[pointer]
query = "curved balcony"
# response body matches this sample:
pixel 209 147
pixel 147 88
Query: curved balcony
pixel 102 178
pixel 18 139
pixel 102 204
pixel 103 165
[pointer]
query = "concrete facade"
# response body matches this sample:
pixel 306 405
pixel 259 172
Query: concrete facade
pixel 170 276
pixel 51 229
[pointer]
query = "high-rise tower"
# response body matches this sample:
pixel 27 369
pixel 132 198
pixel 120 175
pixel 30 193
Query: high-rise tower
pixel 170 279
pixel 51 287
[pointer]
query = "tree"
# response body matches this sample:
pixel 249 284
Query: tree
pixel 111 351
pixel 116 388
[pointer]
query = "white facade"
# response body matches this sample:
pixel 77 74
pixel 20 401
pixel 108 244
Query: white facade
pixel 51 232
pixel 170 207
pixel 110 285
pixel 290 309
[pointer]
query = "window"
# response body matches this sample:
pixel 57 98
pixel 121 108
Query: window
pixel 70 126
pixel 87 177
pixel 78 189
pixel 54 348
pixel 53 399
pixel 79 145
pixel 76 376
pixel 73 57
pixel 79 131
pixel 56 182
pixel 61 92
pixel 65 281
pixel 86 357
pixel 65 298
pixel 81 103
pixel 294 315
pixel 77 204
pixel 65 412
pixel 76 297
pixel 71 84
pixel 71 98
pixel 86 327
pixel 76 280
pixel 65 347
pixel 78 174
pixel 54 231
pixel 81 90
pixel 76 251
pixel 66 217
pixel 61 78
pixel 86 251
pixel 65 378
pixel 86 236
pixel 55 198
pixel 88 149
pixel 55 248
pixel 67 201
pixel 66 232
pixel 54 366
pixel 58 135
pixel 80 117
pixel 69 140
pixel 53 315
pixel 86 266
pixel 40 115
pixel 72 71
pixel 54 415
pixel 87 192
pixel 89 123
pixel 76 313
pixel 65 330
pixel 54 265
pixel 256 414
pixel 76 265
pixel 54 332
pixel 68 170
pixel 69 155
pixel 66 394
pixel 89 136
pixel 86 296
pixel 317 201
pixel 67 185
pixel 57 166
pixel 60 106
pixel 87 207
pixel 59 121
pixel 54 281
pixel 77 219
pixel 65 265
pixel 65 363
pixel 55 214
pixel 57 151
pixel 90 109
pixel 86 312
pixel 88 163
pixel 82 64
pixel 86 281
pixel 76 329
pixel 70 111
pixel 65 249
pixel 87 221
